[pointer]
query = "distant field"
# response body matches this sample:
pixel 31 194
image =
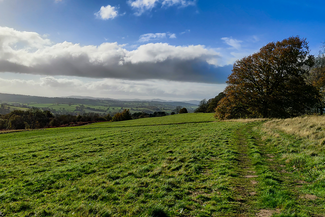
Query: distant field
pixel 101 109
pixel 69 105
pixel 179 165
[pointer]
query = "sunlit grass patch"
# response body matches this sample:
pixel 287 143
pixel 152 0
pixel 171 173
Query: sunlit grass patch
pixel 149 167
pixel 299 162
pixel 310 127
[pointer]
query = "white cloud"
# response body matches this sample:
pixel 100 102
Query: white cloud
pixel 183 3
pixel 143 5
pixel 28 52
pixel 146 5
pixel 151 36
pixel 160 52
pixel 155 36
pixel 255 38
pixel 172 35
pixel 186 31
pixel 107 12
pixel 232 42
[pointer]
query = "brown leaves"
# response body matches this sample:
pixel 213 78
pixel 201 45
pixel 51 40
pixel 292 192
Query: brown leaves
pixel 270 83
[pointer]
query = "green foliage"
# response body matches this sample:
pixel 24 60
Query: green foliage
pixel 203 106
pixel 126 115
pixel 213 103
pixel 210 105
pixel 316 77
pixel 16 122
pixel 36 118
pixel 108 117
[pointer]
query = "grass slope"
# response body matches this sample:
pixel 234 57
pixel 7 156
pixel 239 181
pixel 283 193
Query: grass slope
pixel 181 165
pixel 121 169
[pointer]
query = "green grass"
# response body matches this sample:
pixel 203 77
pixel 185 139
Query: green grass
pixel 149 168
pixel 180 165
pixel 290 171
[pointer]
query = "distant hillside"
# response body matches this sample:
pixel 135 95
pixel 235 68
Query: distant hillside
pixel 71 105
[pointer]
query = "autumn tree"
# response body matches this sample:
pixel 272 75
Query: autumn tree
pixel 183 110
pixel 270 83
pixel 124 115
pixel 117 117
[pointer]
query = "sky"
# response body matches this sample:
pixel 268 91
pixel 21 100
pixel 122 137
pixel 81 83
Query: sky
pixel 141 49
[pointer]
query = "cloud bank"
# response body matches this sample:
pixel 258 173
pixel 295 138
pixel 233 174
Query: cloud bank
pixel 112 88
pixel 30 53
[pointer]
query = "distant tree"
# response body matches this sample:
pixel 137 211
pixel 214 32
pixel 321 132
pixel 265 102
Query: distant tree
pixel 79 117
pixel 108 117
pixel 55 122
pixel 16 122
pixel 117 117
pixel 203 106
pixel 213 103
pixel 3 124
pixel 126 115
pixel 316 77
pixel 183 110
pixel 48 114
pixel 270 83
pixel 178 108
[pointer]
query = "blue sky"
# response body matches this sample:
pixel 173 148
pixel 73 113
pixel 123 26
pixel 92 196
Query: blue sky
pixel 144 49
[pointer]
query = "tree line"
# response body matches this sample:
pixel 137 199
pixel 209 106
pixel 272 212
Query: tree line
pixel 281 80
pixel 210 105
pixel 36 118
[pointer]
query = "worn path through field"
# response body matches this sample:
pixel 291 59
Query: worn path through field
pixel 245 182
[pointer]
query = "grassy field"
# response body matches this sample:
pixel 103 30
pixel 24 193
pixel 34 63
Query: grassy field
pixel 179 165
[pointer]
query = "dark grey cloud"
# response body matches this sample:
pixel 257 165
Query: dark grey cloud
pixel 176 70
pixel 109 60
pixel 6 66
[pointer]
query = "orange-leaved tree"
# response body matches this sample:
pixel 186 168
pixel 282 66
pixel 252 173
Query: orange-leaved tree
pixel 270 83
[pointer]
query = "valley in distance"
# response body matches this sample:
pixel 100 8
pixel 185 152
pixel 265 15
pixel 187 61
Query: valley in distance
pixel 75 105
